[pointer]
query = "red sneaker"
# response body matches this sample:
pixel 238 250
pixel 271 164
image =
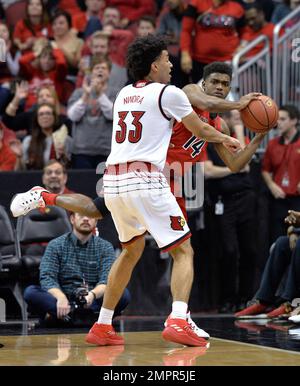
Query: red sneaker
pixel 179 331
pixel 254 310
pixel 103 335
pixel 282 311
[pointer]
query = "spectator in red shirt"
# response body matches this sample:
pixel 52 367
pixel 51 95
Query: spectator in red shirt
pixel 34 25
pixel 209 33
pixel 281 170
pixel 132 10
pixel 256 26
pixel 88 22
pixel 44 65
pixel 8 158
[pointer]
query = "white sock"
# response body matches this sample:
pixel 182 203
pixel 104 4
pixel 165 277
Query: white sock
pixel 105 316
pixel 179 310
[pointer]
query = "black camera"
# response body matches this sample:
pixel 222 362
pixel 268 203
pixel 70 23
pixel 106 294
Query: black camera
pixel 77 298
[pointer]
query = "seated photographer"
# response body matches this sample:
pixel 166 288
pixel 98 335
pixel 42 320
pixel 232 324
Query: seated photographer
pixel 73 275
pixel 283 265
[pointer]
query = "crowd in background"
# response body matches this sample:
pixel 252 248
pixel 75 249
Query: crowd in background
pixel 72 56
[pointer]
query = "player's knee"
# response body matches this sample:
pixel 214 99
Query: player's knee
pixel 184 250
pixel 134 251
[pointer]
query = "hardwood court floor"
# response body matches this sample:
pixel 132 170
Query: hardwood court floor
pixel 238 346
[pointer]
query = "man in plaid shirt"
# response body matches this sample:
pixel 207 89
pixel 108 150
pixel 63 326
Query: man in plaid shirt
pixel 75 259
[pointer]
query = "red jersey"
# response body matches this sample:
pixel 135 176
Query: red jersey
pixel 188 149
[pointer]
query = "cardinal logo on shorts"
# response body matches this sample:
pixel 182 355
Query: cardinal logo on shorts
pixel 177 223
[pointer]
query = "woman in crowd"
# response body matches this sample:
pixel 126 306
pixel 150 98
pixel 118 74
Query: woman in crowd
pixel 21 122
pixel 8 69
pixel 34 25
pixel 66 40
pixel 42 145
pixel 44 65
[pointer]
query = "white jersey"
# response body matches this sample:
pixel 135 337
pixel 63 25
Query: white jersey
pixel 142 122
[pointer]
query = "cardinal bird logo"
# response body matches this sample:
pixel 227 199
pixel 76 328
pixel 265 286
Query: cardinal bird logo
pixel 269 103
pixel 177 223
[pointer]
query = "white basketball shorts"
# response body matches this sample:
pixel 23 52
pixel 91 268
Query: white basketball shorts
pixel 140 202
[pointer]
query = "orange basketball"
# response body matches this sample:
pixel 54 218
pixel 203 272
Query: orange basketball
pixel 260 115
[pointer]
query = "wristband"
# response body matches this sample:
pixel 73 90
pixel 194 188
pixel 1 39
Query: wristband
pixel 95 297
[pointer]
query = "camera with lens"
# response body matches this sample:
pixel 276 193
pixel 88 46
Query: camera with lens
pixel 77 299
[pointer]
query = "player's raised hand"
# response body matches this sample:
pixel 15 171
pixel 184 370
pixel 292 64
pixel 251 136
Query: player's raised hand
pixel 246 99
pixel 232 144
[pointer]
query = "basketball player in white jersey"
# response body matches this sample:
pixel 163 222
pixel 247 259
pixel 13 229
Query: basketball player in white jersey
pixel 136 192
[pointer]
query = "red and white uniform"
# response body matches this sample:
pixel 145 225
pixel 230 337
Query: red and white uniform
pixel 135 190
pixel 186 150
pixel 189 149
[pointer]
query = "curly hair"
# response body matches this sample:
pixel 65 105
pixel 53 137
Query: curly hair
pixel 217 67
pixel 142 53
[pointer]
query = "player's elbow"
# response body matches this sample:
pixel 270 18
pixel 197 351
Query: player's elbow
pixel 234 167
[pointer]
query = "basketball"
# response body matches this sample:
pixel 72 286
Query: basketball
pixel 260 115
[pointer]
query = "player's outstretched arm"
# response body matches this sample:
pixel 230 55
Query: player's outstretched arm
pixel 78 203
pixel 199 99
pixel 203 130
pixel 237 161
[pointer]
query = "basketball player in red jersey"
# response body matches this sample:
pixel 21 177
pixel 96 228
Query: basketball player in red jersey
pixel 207 101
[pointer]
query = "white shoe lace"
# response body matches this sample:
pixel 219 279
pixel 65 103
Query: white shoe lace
pixel 197 330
